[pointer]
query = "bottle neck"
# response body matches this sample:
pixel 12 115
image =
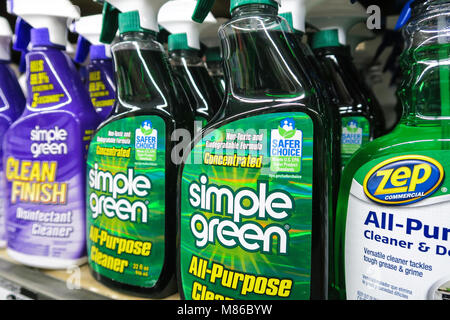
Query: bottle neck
pixel 252 9
pixel 138 36
pixel 190 58
pixel 259 62
pixel 215 68
pixel 143 77
pixel 425 90
pixel 425 93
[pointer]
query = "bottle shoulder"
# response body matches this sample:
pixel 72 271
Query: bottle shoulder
pixel 174 115
pixel 235 111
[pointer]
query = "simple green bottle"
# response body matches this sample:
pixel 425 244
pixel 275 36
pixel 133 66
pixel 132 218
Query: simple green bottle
pixel 361 118
pixel 131 176
pixel 392 235
pixel 253 199
pixel 294 11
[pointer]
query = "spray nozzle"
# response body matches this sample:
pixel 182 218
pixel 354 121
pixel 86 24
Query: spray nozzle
pixel 21 40
pixel 148 12
pixel 209 36
pixel 88 29
pixel 334 16
pixel 294 11
pixel 50 14
pixel 175 17
pixel 110 23
pixel 202 10
pixel 204 7
pixel 22 33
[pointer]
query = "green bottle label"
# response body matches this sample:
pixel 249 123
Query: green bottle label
pixel 397 240
pixel 355 134
pixel 246 210
pixel 126 200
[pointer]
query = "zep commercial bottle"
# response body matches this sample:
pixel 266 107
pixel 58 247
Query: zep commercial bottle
pixel 392 235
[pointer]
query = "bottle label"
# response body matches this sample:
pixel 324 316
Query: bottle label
pixel 355 134
pixel 126 200
pixel 397 241
pixel 102 91
pixel 44 171
pixel 246 210
pixel 46 90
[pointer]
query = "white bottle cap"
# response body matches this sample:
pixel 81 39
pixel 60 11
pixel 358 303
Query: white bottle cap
pixel 336 16
pixel 175 17
pixel 50 14
pixel 148 10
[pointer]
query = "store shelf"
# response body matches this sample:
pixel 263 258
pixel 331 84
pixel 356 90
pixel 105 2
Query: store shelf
pixel 72 284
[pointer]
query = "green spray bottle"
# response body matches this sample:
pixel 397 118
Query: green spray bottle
pixel 361 116
pixel 185 57
pixel 295 12
pixel 253 202
pixel 131 176
pixel 393 211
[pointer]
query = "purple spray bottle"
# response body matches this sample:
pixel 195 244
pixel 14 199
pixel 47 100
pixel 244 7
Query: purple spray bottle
pixel 45 149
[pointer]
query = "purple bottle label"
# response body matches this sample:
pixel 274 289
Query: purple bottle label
pixel 44 186
pixel 46 89
pixel 101 90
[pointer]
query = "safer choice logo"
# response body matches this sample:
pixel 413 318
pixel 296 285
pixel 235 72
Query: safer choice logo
pixel 403 180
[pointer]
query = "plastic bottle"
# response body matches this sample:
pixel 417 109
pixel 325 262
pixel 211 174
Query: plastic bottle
pixel 295 12
pixel 253 198
pixel 99 71
pixel 12 103
pixel 45 149
pixel 393 213
pixel 185 57
pixel 361 116
pixel 136 228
